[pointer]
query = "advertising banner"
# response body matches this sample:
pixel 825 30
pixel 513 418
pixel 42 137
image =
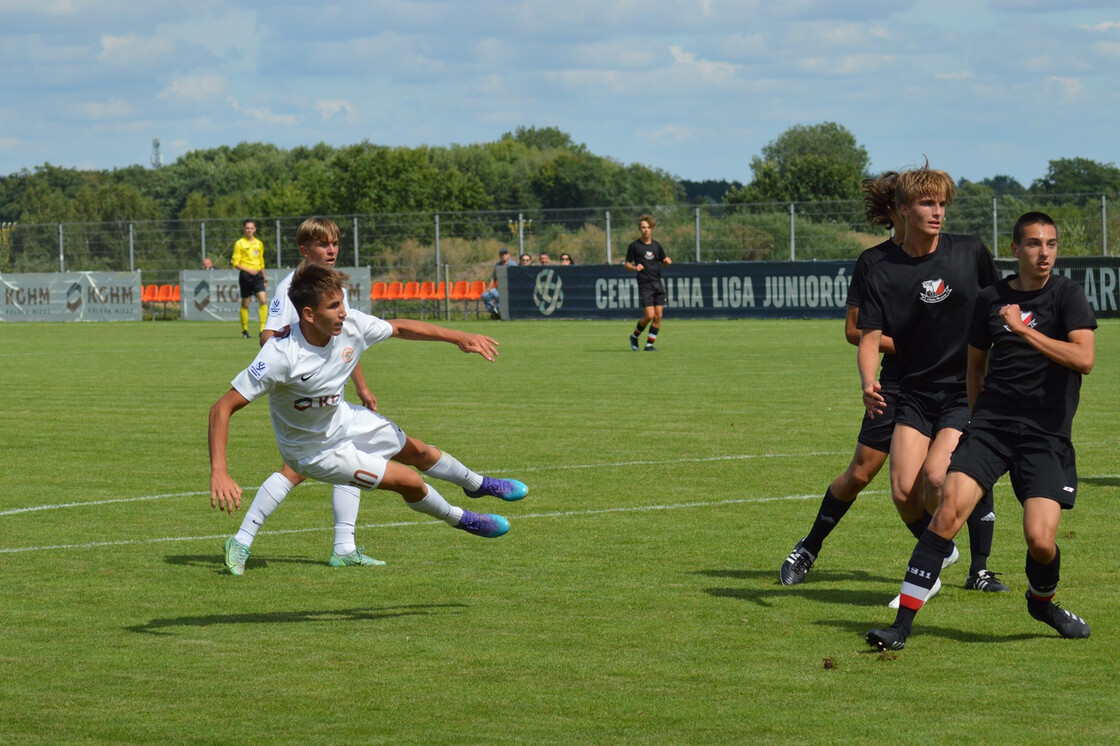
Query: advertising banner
pixel 214 295
pixel 738 289
pixel 71 296
pixel 731 290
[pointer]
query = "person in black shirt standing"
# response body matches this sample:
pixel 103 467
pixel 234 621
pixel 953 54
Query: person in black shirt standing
pixel 1024 393
pixel 921 296
pixel 874 440
pixel 645 256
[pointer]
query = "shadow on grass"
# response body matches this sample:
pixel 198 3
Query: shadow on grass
pixel 215 562
pixel 1101 481
pixel 155 626
pixel 859 629
pixel 810 589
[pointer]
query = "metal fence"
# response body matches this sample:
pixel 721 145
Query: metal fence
pixel 419 246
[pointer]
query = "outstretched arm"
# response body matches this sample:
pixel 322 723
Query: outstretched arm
pixel 425 332
pixel 1078 354
pixel 225 493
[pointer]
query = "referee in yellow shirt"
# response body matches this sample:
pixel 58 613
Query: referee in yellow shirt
pixel 248 257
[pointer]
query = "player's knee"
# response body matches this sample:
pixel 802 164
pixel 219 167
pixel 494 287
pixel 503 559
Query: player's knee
pixel 1041 546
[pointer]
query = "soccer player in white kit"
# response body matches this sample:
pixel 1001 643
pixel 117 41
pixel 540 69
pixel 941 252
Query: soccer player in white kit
pixel 322 436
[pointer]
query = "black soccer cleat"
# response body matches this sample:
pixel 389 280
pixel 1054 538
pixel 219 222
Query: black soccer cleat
pixel 1067 623
pixel 797 565
pixel 985 580
pixel 633 343
pixel 888 638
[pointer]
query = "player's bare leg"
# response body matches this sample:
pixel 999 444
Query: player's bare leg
pixel 439 465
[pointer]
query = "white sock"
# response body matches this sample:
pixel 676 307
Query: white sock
pixel 449 469
pixel 345 501
pixel 267 499
pixel 434 505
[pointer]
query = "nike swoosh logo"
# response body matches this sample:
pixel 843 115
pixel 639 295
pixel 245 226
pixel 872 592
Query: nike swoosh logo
pixel 304 378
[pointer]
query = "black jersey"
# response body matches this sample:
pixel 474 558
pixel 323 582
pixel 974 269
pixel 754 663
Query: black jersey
pixel 925 305
pixel 649 256
pixel 1022 384
pixel 888 375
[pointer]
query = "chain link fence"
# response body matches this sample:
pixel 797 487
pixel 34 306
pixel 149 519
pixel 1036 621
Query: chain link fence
pixel 465 245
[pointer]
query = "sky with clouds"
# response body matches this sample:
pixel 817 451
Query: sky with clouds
pixel 693 87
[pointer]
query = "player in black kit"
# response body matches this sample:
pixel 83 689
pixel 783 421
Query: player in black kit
pixel 645 256
pixel 874 440
pixel 1024 393
pixel 921 296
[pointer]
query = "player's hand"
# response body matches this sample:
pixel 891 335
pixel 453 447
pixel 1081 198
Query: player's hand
pixel 480 343
pixel 667 261
pixel 1012 316
pixel 369 401
pixel 873 401
pixel 225 493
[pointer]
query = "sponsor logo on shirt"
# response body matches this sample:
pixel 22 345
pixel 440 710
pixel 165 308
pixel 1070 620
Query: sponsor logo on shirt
pixel 258 369
pixel 934 291
pixel 307 402
pixel 274 307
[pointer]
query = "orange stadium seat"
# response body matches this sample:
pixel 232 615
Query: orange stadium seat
pixel 377 292
pixel 425 294
pixel 176 294
pixel 149 294
pixel 478 287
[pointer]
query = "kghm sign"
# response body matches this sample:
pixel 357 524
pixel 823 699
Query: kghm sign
pixel 71 296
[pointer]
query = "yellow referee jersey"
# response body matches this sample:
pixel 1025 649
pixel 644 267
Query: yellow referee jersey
pixel 248 253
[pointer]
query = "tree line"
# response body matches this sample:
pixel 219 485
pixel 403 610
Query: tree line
pixel 530 168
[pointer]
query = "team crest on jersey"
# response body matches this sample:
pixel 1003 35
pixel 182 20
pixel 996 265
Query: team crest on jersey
pixel 649 255
pixel 348 354
pixel 274 307
pixel 1027 317
pixel 934 291
pixel 258 369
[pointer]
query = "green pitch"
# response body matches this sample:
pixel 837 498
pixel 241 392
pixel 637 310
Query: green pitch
pixel 635 600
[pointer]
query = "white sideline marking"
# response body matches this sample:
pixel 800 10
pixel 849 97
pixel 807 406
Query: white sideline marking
pixel 741 457
pixel 397 524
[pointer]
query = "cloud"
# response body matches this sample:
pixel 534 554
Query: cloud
pixel 263 114
pixel 1070 87
pixel 329 108
pixel 1101 27
pixel 195 89
pixel 666 133
pixel 101 110
pixel 135 50
pixel 719 73
pixel 959 75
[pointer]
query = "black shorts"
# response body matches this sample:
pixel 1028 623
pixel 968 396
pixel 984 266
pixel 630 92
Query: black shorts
pixel 652 295
pixel 929 411
pixel 876 433
pixel 250 284
pixel 1041 464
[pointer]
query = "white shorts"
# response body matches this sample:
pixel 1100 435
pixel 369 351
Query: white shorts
pixel 362 455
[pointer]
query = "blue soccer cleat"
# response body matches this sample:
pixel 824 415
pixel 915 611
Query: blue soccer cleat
pixel 486 525
pixel 504 489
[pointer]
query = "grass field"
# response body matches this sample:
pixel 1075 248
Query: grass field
pixel 635 599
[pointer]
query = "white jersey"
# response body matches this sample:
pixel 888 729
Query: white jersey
pixel 281 312
pixel 305 384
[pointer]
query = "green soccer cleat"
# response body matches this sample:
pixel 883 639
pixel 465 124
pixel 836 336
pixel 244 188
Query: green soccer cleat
pixel 236 555
pixel 354 559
